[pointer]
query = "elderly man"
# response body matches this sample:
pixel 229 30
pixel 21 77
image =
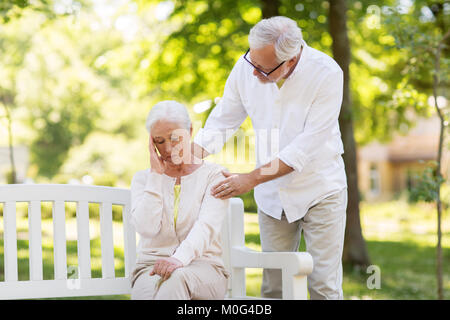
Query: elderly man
pixel 293 95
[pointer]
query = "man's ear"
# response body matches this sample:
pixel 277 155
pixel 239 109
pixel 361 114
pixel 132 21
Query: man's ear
pixel 292 61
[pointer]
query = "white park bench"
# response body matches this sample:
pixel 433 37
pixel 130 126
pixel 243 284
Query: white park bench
pixel 295 266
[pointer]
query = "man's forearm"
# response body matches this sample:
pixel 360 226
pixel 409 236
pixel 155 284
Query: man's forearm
pixel 272 170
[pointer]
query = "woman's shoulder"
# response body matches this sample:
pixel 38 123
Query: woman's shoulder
pixel 213 169
pixel 211 166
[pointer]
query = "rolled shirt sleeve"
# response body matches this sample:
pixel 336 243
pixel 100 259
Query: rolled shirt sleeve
pixel 225 118
pixel 320 122
pixel 207 227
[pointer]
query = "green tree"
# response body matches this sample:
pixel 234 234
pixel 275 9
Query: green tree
pixel 12 9
pixel 355 250
pixel 424 38
pixel 13 48
pixel 53 75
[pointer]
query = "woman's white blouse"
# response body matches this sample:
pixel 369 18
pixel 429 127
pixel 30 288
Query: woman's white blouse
pixel 200 215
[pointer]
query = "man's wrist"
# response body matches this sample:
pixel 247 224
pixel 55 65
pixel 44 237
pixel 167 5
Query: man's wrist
pixel 256 177
pixel 259 176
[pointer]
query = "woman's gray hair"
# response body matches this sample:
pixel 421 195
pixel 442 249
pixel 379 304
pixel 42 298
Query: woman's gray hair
pixel 168 110
pixel 282 32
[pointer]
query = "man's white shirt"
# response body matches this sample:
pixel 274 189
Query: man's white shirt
pixel 297 123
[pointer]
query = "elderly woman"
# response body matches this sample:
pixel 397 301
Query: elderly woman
pixel 177 218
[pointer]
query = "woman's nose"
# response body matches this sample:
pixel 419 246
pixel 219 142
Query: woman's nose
pixel 168 148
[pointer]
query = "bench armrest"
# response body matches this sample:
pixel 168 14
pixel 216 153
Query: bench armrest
pixel 295 267
pixel 300 263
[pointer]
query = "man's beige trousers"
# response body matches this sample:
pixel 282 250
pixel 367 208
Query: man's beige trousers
pixel 323 229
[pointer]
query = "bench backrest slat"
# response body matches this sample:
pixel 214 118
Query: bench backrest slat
pixel 129 238
pixel 106 230
pixel 10 241
pixel 59 240
pixel 35 240
pixel 83 240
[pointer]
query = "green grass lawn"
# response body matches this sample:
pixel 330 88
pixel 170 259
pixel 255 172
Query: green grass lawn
pixel 400 238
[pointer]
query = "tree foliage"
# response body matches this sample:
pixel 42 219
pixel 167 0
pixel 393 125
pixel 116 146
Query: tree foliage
pixel 78 77
pixel 12 9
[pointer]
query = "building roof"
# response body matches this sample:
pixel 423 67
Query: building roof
pixel 421 143
pixel 413 148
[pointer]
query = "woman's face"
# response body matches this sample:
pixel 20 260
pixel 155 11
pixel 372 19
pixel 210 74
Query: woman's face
pixel 168 138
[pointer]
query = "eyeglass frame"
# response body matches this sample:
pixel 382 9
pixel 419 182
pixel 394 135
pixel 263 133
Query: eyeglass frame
pixel 266 74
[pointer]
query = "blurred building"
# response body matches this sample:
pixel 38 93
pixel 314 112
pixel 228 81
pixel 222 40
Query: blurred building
pixel 21 160
pixel 385 170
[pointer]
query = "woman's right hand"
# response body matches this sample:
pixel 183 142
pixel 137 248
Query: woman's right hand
pixel 157 164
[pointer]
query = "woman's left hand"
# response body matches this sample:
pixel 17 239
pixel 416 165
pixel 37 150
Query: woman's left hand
pixel 165 266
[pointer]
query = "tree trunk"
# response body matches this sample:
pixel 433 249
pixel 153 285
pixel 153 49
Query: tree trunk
pixel 6 100
pixel 270 8
pixel 13 178
pixel 436 80
pixel 355 251
pixel 440 284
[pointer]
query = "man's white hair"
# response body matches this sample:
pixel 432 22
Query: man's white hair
pixel 168 110
pixel 280 31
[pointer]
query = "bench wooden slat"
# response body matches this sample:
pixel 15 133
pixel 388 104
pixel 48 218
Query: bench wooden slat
pixel 10 241
pixel 59 240
pixel 62 192
pixel 35 240
pixel 129 241
pixel 107 244
pixel 83 240
pixel 64 288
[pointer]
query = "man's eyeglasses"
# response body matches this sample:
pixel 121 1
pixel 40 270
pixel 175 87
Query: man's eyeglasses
pixel 266 74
